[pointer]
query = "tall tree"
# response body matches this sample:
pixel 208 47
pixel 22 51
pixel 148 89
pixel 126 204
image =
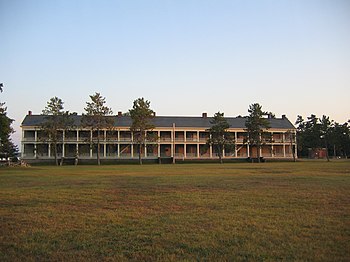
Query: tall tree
pixel 256 126
pixel 291 136
pixel 56 121
pixel 141 115
pixel 7 147
pixel 97 119
pixel 340 138
pixel 300 133
pixel 325 132
pixel 308 134
pixel 219 136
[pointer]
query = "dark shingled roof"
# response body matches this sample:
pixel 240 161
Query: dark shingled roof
pixel 167 121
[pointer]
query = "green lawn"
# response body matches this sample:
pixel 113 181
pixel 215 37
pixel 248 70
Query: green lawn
pixel 268 211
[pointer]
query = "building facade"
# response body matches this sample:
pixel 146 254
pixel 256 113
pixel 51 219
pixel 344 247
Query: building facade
pixel 181 138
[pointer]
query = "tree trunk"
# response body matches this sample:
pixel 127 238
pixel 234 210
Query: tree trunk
pixel 98 153
pixel 326 145
pixel 293 150
pixel 258 152
pixel 327 156
pixel 293 153
pixel 55 153
pixel 140 152
pixel 218 147
pixel 98 148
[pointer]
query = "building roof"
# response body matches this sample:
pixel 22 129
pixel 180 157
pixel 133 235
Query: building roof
pixel 168 121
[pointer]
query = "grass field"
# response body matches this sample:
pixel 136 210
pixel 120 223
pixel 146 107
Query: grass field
pixel 269 211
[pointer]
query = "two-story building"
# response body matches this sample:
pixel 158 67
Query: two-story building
pixel 177 137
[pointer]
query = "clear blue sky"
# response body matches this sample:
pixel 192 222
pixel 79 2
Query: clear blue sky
pixel 186 57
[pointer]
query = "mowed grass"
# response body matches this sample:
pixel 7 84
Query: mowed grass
pixel 268 211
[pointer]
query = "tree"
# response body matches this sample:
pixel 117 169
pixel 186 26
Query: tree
pixel 7 147
pixel 219 137
pixel 340 138
pixel 300 133
pixel 56 121
pixel 308 134
pixel 325 132
pixel 97 120
pixel 291 136
pixel 141 115
pixel 256 126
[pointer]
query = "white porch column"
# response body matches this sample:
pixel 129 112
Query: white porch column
pixel 35 143
pixel 22 144
pixel 118 143
pixel 63 143
pixel 77 146
pixel 284 145
pixel 248 151
pixel 91 143
pixel 198 153
pixel 295 145
pixel 145 146
pixel 172 138
pixel 158 143
pixel 236 152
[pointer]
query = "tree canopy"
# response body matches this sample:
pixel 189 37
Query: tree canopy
pixel 141 115
pixel 7 147
pixel 256 127
pixel 219 137
pixel 56 120
pixel 96 119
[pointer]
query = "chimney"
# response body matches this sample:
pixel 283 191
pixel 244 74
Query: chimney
pixel 120 113
pixel 29 113
pixel 154 113
pixel 204 115
pixel 284 117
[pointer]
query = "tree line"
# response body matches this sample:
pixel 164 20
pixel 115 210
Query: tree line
pixel 314 132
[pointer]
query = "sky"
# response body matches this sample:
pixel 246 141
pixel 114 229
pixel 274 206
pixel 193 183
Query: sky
pixel 185 56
